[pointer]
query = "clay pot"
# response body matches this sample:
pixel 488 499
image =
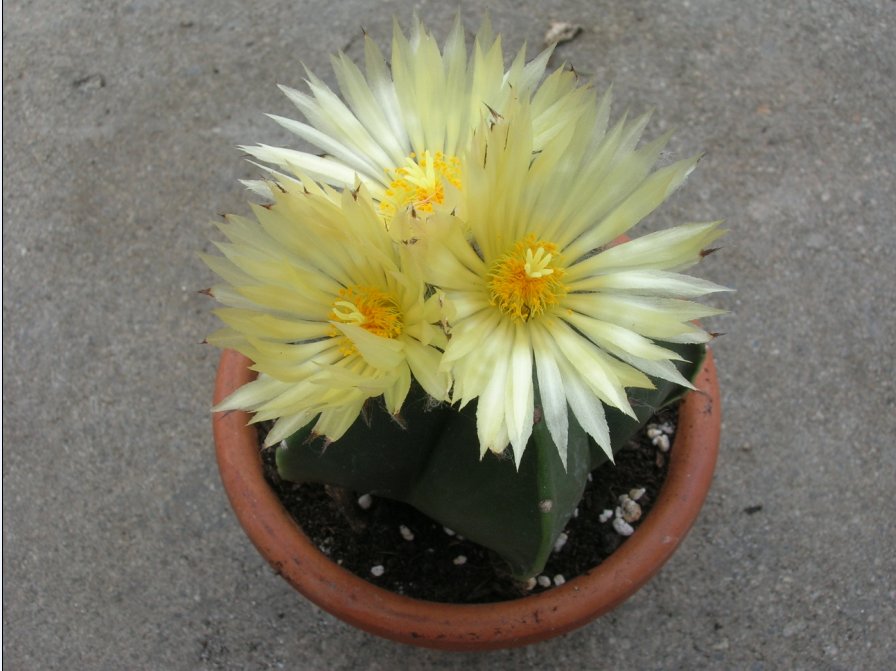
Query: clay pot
pixel 480 626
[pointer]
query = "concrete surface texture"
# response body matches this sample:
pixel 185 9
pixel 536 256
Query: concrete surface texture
pixel 121 121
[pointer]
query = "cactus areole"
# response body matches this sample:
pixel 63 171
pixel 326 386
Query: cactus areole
pixel 465 627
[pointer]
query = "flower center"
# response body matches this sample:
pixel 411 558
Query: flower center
pixel 369 308
pixel 527 280
pixel 421 183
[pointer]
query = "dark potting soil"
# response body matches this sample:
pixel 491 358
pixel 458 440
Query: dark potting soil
pixel 398 548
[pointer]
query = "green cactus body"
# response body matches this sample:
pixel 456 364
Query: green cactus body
pixel 431 460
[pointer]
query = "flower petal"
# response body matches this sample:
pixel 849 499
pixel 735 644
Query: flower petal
pixel 551 391
pixel 491 424
pixel 519 393
pixel 424 363
pixel 378 352
pixel 673 249
pixel 649 283
pixel 641 202
pixel 592 365
pixel 588 409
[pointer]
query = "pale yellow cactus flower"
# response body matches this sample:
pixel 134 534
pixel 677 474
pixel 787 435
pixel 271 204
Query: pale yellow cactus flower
pixel 535 290
pixel 320 298
pixel 401 127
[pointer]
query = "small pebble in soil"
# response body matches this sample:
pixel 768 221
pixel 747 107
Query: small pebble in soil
pixel 653 431
pixel 560 542
pixel 605 515
pixel 406 533
pixel 365 501
pixel 377 570
pixel 631 511
pixel 622 527
pixel 448 531
pixel 460 560
pixel 530 584
pixel 559 580
pixel 575 514
pixel 544 581
pixel 637 493
pixel 662 442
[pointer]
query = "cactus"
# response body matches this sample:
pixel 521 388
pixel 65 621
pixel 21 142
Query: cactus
pixel 430 460
pixel 433 301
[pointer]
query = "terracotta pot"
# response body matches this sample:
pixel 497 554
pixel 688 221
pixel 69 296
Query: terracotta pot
pixel 480 626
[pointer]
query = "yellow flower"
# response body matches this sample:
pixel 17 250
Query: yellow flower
pixel 401 128
pixel 325 305
pixel 536 290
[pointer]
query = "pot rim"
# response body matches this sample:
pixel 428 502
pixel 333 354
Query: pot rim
pixel 468 626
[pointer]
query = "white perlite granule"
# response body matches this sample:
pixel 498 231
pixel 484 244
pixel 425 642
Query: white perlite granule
pixel 622 527
pixel 560 542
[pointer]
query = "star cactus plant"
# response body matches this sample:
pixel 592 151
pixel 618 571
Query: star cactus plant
pixel 438 308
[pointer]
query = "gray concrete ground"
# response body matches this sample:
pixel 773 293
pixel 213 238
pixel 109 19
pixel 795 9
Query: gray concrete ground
pixel 120 123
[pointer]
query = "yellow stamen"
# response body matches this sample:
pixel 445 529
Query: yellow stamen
pixel 371 309
pixel 527 280
pixel 421 183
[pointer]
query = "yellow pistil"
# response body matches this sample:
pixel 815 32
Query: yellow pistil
pixel 369 308
pixel 421 183
pixel 527 280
